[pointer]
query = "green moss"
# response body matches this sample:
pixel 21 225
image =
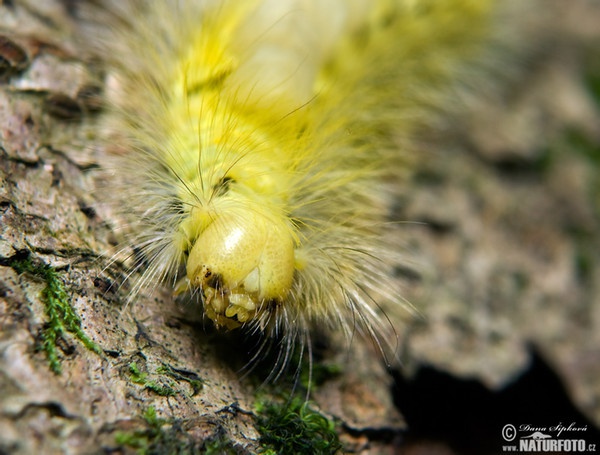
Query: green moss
pixel 584 262
pixel 164 386
pixel 219 446
pixel 141 378
pixel 592 75
pixel 295 428
pixel 158 437
pixel 147 439
pixel 142 439
pixel 179 375
pixel 581 143
pixel 162 390
pixel 162 436
pixel 61 315
pixel 136 375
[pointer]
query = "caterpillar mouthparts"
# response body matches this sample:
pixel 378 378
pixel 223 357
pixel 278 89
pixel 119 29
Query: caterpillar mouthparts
pixel 242 265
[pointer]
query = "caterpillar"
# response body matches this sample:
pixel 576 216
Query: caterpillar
pixel 263 143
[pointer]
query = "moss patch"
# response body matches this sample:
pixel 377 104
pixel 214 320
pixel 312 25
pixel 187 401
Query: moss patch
pixel 61 315
pixel 162 436
pixel 295 428
pixel 220 446
pixel 159 436
pixel 164 385
pixel 141 378
pixel 181 375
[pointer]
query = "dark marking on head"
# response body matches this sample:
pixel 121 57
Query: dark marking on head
pixel 214 280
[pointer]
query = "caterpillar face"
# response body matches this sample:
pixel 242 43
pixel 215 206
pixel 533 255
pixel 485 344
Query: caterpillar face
pixel 240 242
pixel 243 263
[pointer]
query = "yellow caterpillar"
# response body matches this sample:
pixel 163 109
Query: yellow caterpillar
pixel 263 137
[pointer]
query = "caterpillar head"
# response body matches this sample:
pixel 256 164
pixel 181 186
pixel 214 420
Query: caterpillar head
pixel 243 263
